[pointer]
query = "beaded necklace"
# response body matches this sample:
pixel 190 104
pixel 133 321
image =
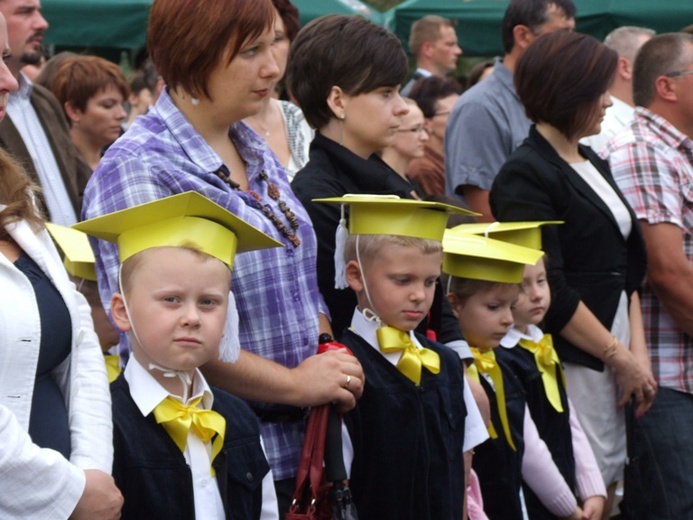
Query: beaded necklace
pixel 273 192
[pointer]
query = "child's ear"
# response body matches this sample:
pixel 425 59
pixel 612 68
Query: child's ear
pixel 118 313
pixel 454 303
pixel 353 276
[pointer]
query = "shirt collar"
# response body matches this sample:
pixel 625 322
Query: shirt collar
pixel 513 337
pixel 504 76
pixel 668 132
pixel 250 146
pixel 367 329
pixel 24 91
pixel 148 393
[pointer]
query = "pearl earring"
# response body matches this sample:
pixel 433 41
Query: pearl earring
pixel 194 101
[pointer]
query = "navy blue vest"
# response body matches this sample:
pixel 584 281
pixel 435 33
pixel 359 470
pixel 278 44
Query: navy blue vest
pixel 407 439
pixel 497 465
pixel 553 426
pixel 153 476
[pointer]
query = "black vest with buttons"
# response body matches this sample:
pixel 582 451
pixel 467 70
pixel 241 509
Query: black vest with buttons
pixel 553 426
pixel 153 476
pixel 407 439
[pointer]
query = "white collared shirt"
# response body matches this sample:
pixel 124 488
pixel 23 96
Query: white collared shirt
pixel 513 337
pixel 27 123
pixel 147 394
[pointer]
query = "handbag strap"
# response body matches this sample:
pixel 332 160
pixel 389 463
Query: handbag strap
pixel 310 467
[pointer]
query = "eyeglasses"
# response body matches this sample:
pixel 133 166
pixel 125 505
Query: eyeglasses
pixel 679 73
pixel 416 130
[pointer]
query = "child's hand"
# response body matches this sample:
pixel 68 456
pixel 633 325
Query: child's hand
pixel 593 508
pixel 577 515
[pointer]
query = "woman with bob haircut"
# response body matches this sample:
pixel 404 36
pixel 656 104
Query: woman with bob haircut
pixel 219 68
pixel 92 91
pixel 345 73
pixel 597 254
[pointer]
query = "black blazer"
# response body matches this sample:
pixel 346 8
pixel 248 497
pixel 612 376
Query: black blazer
pixel 588 259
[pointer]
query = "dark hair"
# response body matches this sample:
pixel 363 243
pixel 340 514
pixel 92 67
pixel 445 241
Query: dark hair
pixel 476 72
pixel 427 91
pixel 187 40
pixel 561 76
pixel 345 51
pixel 659 56
pixel 79 78
pixel 137 82
pixel 533 14
pixel 289 15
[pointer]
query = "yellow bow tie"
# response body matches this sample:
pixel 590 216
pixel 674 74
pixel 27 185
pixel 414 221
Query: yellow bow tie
pixel 112 367
pixel 549 365
pixel 179 419
pixel 393 340
pixel 485 362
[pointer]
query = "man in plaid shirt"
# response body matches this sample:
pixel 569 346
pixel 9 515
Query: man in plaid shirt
pixel 652 162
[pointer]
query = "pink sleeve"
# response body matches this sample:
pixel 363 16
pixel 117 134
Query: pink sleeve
pixel 475 504
pixel 587 475
pixel 541 474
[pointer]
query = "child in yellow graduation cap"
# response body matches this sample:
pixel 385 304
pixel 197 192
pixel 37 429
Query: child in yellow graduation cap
pixel 483 288
pixel 182 449
pixel 407 431
pixel 530 355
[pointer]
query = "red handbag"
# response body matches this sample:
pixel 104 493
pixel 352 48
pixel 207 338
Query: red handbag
pixel 311 499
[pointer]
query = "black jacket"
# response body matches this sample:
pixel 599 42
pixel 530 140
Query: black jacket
pixel 588 259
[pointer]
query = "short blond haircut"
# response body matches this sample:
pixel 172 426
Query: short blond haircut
pixel 370 245
pixel 426 29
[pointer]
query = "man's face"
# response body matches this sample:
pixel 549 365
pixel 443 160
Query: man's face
pixel 25 29
pixel 445 50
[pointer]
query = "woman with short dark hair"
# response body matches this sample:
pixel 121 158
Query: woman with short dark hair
pixel 597 254
pixel 345 74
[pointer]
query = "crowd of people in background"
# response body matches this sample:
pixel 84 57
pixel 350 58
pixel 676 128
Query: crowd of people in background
pixel 506 260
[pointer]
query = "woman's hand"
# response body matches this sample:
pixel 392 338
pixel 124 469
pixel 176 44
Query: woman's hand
pixel 634 376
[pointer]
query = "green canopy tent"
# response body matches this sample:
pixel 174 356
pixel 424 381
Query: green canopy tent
pixel 310 9
pixel 122 24
pixel 479 21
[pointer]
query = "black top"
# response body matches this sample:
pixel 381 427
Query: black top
pixel 48 422
pixel 588 258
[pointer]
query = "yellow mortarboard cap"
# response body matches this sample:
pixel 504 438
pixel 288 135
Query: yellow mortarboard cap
pixel 186 219
pixel 79 257
pixel 527 234
pixel 481 258
pixel 390 215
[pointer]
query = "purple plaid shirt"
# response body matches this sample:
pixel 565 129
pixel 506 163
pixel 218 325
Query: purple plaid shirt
pixel 652 162
pixel 276 289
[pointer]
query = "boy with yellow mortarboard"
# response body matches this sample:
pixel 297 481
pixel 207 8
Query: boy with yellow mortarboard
pixel 182 449
pixel 80 264
pixel 483 288
pixel 530 355
pixel 408 428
